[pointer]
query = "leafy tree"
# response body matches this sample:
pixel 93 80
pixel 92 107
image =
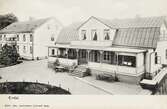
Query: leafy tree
pixel 7 19
pixel 8 55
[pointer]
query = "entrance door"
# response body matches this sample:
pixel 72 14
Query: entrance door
pixel 96 56
pixel 82 57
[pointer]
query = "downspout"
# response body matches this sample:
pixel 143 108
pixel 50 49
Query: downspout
pixel 150 61
pixel 33 45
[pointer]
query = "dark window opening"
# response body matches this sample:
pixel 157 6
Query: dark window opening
pixel 127 60
pixel 95 36
pixel 53 51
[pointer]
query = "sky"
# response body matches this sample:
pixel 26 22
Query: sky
pixel 69 11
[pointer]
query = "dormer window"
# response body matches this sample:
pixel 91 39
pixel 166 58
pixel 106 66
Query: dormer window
pixel 106 34
pixel 94 35
pixel 83 34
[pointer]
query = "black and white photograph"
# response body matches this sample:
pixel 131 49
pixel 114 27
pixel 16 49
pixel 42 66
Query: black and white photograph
pixel 83 47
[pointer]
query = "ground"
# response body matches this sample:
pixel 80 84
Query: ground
pixel 37 71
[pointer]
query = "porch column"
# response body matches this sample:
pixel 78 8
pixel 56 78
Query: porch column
pixel 88 51
pixel 77 50
pixel 101 56
pixel 57 52
pixel 67 52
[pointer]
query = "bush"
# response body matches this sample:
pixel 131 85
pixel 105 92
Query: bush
pixel 56 63
pixel 8 55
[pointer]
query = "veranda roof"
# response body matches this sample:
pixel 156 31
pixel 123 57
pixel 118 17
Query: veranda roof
pixel 114 49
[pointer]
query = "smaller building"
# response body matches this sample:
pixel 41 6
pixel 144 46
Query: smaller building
pixel 127 48
pixel 32 38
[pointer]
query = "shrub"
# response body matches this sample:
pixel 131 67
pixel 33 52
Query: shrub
pixel 8 55
pixel 56 63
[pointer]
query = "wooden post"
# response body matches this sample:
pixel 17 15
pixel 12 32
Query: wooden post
pixel 101 56
pixel 67 52
pixel 88 51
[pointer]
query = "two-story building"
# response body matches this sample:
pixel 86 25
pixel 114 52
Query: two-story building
pixel 127 48
pixel 32 38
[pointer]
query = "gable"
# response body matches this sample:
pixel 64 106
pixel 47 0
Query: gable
pixel 93 22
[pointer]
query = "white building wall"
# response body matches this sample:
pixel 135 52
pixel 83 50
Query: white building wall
pixel 98 26
pixel 42 37
pixel 162 45
pixel 20 43
pixel 27 43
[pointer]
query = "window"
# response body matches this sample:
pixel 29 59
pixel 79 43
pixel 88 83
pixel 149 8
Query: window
pixel 31 37
pixel 83 34
pixel 156 59
pixel 106 55
pixel 24 49
pixel 31 50
pixel 53 51
pixel 24 38
pixel 106 34
pixel 17 37
pixel 0 37
pixel 94 35
pixel 52 38
pixel 127 60
pixel 4 37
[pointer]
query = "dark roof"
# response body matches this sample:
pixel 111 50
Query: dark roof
pixel 137 37
pixel 26 26
pixel 140 22
pixel 68 33
pixel 138 32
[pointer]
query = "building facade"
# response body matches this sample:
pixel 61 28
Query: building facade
pixel 129 49
pixel 31 38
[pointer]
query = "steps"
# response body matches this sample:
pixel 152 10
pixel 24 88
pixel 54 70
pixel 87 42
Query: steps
pixel 80 71
pixel 152 84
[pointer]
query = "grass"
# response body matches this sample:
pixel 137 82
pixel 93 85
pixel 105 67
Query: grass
pixel 30 88
pixel 18 62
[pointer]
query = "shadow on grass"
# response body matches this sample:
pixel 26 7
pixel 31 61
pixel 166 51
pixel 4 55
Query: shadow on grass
pixel 30 88
pixel 18 62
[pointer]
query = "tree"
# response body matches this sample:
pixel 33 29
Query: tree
pixel 8 55
pixel 7 19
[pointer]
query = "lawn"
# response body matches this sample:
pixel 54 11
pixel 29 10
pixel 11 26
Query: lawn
pixel 30 88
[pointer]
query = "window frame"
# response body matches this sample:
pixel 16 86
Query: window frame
pixel 83 32
pixel 107 31
pixel 93 31
pixel 31 37
pixel 24 38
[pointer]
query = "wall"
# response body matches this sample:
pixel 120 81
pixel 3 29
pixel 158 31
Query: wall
pixel 21 43
pixel 42 37
pixel 162 45
pixel 26 43
pixel 95 24
pixel 63 61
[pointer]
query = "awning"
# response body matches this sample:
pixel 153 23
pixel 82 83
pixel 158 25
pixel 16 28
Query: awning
pixel 114 49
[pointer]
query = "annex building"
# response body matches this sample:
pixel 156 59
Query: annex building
pixel 127 48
